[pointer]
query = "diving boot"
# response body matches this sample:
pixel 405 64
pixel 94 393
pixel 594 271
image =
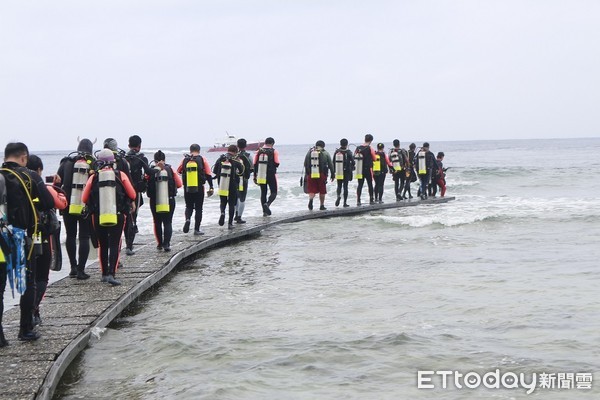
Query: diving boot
pixel 26 335
pixel 73 273
pixel 222 219
pixel 3 341
pixel 337 201
pixel 111 279
pixel 81 275
pixel 310 204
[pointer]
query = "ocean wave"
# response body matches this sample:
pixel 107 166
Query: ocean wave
pixel 477 209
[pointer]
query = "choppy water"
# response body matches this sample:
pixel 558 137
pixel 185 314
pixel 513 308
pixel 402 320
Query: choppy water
pixel 505 277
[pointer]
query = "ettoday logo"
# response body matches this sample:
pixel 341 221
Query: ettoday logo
pixel 503 380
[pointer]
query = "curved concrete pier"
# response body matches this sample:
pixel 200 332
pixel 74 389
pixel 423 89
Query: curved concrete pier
pixel 73 310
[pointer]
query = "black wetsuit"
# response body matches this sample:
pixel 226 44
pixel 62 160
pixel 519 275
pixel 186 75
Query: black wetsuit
pixel 21 216
pixel 244 156
pixel 237 170
pixel 367 172
pixel 348 168
pixel 75 225
pixel 138 166
pixel 163 221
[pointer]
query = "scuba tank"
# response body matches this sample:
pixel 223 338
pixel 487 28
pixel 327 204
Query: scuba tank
pixel 191 176
pixel 422 164
pixel 377 163
pixel 80 175
pixel 358 156
pixel 162 191
pixel 225 177
pixel 107 193
pixel 263 160
pixel 339 166
pixel 395 159
pixel 314 163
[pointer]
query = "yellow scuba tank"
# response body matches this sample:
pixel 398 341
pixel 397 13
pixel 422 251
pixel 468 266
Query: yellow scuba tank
pixel 339 166
pixel 263 160
pixel 107 193
pixel 422 164
pixel 162 191
pixel 314 164
pixel 377 163
pixel 81 170
pixel 225 177
pixel 395 159
pixel 191 176
pixel 358 157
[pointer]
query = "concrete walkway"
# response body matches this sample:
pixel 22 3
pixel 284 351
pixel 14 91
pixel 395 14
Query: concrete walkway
pixel 73 310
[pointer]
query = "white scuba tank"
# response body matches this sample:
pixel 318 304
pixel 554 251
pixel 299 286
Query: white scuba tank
pixel 339 166
pixel 191 176
pixel 107 193
pixel 162 191
pixel 225 177
pixel 395 159
pixel 263 161
pixel 358 157
pixel 421 163
pixel 314 164
pixel 80 175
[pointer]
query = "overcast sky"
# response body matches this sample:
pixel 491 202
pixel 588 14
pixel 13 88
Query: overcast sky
pixel 177 71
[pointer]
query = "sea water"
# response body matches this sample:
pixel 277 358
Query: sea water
pixel 502 280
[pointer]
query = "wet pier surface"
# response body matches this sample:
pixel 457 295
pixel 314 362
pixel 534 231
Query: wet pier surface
pixel 73 310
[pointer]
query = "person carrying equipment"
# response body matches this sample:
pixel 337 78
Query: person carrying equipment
pixel 424 162
pixel 19 228
pixel 195 171
pixel 317 165
pixel 138 169
pixel 162 189
pixel 266 162
pixel 244 157
pixel 344 165
pixel 439 176
pixel 364 156
pixel 49 227
pixel 400 165
pixel 71 177
pixel 411 175
pixel 228 169
pixel 380 169
pixel 109 196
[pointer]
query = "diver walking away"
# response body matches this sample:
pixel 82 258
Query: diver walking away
pixel 72 176
pixel 162 189
pixel 228 170
pixel 381 164
pixel 245 158
pixel 49 237
pixel 138 170
pixel 363 157
pixel 109 195
pixel 317 164
pixel 266 162
pixel 411 175
pixel 195 172
pixel 344 165
pixel 424 163
pixel 400 169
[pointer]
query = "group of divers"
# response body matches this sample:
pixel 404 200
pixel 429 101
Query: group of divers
pixel 99 194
